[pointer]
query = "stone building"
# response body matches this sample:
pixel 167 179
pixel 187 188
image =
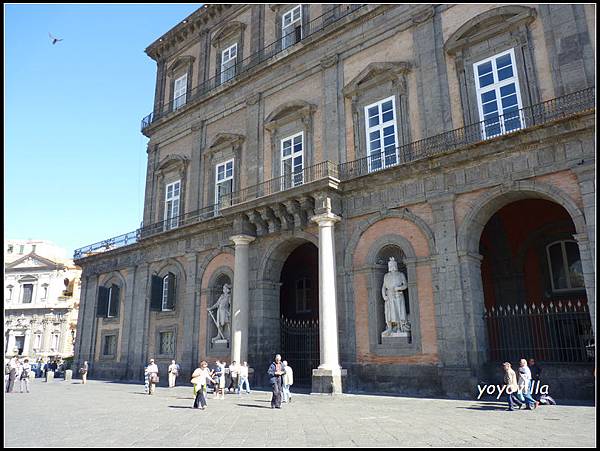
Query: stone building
pixel 295 149
pixel 41 300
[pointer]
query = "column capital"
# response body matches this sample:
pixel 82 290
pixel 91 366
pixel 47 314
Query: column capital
pixel 242 239
pixel 326 219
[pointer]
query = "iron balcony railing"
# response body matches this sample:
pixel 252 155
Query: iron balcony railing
pixel 127 239
pixel 285 182
pixel 557 331
pixel 242 66
pixel 537 114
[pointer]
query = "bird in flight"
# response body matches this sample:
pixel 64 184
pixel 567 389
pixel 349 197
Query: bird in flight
pixel 54 40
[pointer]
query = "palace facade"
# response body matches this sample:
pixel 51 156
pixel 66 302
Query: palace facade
pixel 294 149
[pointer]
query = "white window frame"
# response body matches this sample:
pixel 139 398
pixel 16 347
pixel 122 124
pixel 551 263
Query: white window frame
pixel 165 294
pixel 110 294
pixel 231 69
pixel 284 35
pixel 172 204
pixel 224 179
pixel 379 128
pixel 296 177
pixel 180 92
pixel 565 267
pixel 495 86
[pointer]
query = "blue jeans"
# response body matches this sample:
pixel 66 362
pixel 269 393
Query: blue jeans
pixel 526 398
pixel 243 380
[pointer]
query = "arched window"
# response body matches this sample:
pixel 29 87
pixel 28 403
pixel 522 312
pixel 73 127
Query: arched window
pixel 564 264
pixel 164 293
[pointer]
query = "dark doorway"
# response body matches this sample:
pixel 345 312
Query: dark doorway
pixel 535 298
pixel 299 307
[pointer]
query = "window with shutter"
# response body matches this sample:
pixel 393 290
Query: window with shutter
pixel 179 92
pixel 228 61
pixel 172 196
pixel 292 160
pixel 291 27
pixel 27 293
pixel 113 301
pixel 102 307
pixel 171 291
pixel 498 94
pixel 382 141
pixel 223 184
pixel 156 293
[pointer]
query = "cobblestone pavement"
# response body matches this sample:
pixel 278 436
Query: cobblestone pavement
pixel 116 414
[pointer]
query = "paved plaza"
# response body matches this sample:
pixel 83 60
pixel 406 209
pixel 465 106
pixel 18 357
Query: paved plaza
pixel 116 414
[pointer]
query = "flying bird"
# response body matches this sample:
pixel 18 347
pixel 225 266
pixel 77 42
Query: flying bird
pixel 54 40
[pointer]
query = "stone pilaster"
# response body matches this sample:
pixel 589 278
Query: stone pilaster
pixel 589 275
pixel 331 119
pixel 128 301
pixel 188 304
pixel 328 377
pixel 587 187
pixel 454 313
pixel 240 307
pixel 139 324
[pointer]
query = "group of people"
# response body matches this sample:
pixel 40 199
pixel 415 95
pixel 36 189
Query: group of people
pixel 17 370
pixel 519 388
pixel 221 378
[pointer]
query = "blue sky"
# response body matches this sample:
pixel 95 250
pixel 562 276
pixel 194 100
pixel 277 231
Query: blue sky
pixel 74 157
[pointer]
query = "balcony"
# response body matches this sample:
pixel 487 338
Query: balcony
pixel 287 201
pixel 248 64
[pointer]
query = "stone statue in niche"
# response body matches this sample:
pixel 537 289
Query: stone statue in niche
pixel 222 319
pixel 394 284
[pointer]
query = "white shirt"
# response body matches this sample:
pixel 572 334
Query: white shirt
pixel 243 371
pixel 152 368
pixel 203 374
pixel 173 368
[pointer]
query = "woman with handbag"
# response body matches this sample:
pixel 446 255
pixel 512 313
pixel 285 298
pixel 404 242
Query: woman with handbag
pixel 152 376
pixel 199 379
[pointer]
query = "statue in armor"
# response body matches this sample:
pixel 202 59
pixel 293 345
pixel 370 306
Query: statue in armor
pixel 392 291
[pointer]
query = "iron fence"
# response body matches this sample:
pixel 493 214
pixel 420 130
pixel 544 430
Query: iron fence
pixel 300 347
pixel 557 332
pixel 501 125
pixel 245 65
pixel 127 239
pixel 283 183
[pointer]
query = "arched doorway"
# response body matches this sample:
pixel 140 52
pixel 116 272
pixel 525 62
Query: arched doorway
pixel 533 285
pixel 299 310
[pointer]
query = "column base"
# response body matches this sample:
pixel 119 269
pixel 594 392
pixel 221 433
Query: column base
pixel 328 381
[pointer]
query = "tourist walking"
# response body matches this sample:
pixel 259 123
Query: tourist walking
pixel 25 371
pixel 243 378
pixel 200 376
pixel 233 376
pixel 173 373
pixel 276 371
pixel 12 374
pixel 152 376
pixel 83 371
pixel 220 387
pixel 524 379
pixel 510 381
pixel 287 381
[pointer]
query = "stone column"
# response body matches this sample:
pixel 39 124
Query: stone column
pixel 239 308
pixel 328 377
pixel 10 348
pixel 27 343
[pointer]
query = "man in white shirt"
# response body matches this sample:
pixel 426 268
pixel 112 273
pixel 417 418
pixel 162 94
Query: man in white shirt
pixel 25 370
pixel 12 374
pixel 243 376
pixel 173 373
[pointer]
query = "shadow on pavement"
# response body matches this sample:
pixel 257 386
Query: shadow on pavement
pixel 252 405
pixel 181 407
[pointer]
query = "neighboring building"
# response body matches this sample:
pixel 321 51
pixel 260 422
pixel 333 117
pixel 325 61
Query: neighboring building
pixel 294 149
pixel 41 300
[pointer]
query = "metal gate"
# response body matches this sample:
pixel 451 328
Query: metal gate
pixel 300 347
